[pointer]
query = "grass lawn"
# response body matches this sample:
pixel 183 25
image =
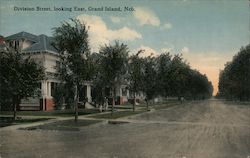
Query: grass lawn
pixel 117 114
pixel 8 121
pixel 165 105
pixel 67 125
pixel 61 113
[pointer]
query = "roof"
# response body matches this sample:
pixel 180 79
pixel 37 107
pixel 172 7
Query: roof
pixel 22 35
pixel 43 44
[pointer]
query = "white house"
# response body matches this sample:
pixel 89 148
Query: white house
pixel 40 49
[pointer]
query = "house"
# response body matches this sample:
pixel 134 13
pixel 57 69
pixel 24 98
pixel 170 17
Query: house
pixel 41 50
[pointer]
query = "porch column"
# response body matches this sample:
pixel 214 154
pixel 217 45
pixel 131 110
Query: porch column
pixel 44 88
pixel 44 93
pixel 49 89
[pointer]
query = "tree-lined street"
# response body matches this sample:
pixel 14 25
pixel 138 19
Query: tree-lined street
pixel 163 80
pixel 207 129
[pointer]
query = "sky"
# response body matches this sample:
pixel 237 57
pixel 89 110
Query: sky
pixel 207 32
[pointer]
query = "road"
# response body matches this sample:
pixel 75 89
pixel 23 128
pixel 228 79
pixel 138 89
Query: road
pixel 204 129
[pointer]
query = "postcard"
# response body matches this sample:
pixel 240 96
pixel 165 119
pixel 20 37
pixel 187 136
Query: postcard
pixel 125 79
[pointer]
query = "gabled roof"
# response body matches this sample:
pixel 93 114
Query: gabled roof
pixel 22 35
pixel 43 44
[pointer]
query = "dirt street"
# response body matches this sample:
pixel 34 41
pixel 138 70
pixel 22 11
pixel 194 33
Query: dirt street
pixel 204 129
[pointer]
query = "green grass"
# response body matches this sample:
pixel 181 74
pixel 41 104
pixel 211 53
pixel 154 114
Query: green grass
pixel 8 121
pixel 61 113
pixel 124 107
pixel 67 125
pixel 165 105
pixel 117 114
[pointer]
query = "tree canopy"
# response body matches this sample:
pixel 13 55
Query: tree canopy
pixel 114 60
pixel 71 41
pixel 234 80
pixel 19 78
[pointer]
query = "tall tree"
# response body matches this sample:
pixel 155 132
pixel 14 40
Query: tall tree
pixel 163 63
pixel 71 41
pixel 149 79
pixel 114 66
pixel 178 76
pixel 234 81
pixel 19 78
pixel 98 88
pixel 135 75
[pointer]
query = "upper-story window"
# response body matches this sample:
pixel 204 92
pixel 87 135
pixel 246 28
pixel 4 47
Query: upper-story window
pixel 14 44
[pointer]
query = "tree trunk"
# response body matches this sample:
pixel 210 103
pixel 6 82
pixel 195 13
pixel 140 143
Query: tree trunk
pixel 113 102
pixel 76 103
pixel 15 103
pixel 147 104
pixel 14 111
pixel 134 102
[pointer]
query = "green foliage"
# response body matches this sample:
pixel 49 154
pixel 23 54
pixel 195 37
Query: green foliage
pixel 19 77
pixel 149 78
pixel 163 74
pixel 198 86
pixel 71 41
pixel 135 73
pixel 114 63
pixel 234 81
pixel 171 76
pixel 178 76
pixel 113 66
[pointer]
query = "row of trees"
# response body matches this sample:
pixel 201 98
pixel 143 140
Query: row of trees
pixel 234 80
pixel 165 75
pixel 168 76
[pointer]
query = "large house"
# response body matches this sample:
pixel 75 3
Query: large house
pixel 39 48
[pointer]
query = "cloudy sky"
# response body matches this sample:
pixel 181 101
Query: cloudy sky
pixel 207 32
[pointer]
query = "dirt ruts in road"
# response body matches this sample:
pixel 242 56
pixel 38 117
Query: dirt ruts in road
pixel 208 129
pixel 202 129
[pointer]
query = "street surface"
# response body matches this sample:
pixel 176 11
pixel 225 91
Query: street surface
pixel 204 129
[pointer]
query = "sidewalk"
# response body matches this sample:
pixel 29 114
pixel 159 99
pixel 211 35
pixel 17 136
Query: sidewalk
pixel 53 118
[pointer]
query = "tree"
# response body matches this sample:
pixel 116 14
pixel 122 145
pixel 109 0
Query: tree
pixel 178 76
pixel 234 80
pixel 71 41
pixel 163 63
pixel 114 66
pixel 98 88
pixel 198 86
pixel 19 78
pixel 135 74
pixel 149 79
